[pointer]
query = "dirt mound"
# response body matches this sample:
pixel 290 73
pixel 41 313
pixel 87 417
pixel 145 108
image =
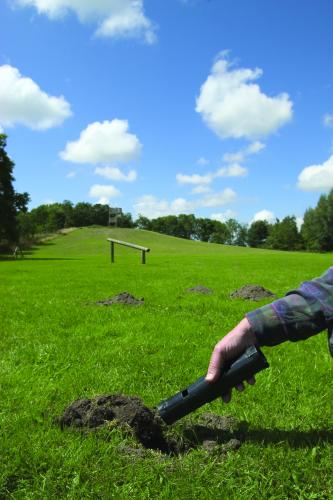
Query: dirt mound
pixel 212 432
pixel 121 298
pixel 252 292
pixel 200 289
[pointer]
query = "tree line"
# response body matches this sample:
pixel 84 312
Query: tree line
pixel 19 225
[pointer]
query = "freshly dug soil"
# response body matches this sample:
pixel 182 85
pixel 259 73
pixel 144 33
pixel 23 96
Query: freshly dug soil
pixel 121 298
pixel 213 433
pixel 252 292
pixel 200 289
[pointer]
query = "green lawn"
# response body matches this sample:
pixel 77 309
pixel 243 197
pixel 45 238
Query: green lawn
pixel 56 346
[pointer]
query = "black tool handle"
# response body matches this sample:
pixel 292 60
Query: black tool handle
pixel 201 392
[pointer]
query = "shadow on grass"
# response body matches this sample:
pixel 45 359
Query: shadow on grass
pixel 49 258
pixel 295 438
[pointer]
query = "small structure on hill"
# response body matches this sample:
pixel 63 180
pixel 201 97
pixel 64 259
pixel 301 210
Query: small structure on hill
pixel 114 214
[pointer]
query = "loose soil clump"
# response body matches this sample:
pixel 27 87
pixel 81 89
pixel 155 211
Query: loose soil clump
pixel 213 433
pixel 121 298
pixel 252 292
pixel 200 289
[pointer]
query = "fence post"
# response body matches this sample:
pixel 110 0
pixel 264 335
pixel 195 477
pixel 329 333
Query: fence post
pixel 143 257
pixel 112 251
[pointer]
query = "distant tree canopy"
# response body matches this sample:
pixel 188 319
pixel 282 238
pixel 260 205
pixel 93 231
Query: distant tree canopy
pixel 17 223
pixel 257 233
pixel 55 216
pixel 11 203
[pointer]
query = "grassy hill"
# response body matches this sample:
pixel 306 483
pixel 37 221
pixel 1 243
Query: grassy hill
pixel 57 346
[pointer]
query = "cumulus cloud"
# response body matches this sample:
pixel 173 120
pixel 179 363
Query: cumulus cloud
pixel 266 215
pixel 114 18
pixel 202 161
pixel 194 179
pixel 23 102
pixel 239 156
pixel 201 189
pixel 233 170
pixel 152 207
pixel 317 177
pixel 104 193
pixel 103 142
pixel 328 120
pixel 217 199
pixel 232 105
pixel 71 174
pixel 224 216
pixel 299 222
pixel 115 174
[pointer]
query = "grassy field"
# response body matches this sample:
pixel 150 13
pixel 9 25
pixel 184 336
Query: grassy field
pixel 57 346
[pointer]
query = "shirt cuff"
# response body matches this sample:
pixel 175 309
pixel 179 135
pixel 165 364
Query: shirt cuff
pixel 267 326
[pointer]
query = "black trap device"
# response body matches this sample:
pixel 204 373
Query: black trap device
pixel 201 392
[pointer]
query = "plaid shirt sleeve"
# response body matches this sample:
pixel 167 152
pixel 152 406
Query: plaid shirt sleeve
pixel 303 312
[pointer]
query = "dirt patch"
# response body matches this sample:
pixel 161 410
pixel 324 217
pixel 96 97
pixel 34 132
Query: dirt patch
pixel 213 433
pixel 200 289
pixel 252 292
pixel 121 298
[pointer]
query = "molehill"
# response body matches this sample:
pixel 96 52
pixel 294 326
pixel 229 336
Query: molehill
pixel 252 292
pixel 121 298
pixel 214 433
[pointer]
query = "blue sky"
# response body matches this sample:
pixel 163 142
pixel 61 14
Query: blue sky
pixel 215 107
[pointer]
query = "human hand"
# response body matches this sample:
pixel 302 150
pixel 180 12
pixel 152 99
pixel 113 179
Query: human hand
pixel 232 345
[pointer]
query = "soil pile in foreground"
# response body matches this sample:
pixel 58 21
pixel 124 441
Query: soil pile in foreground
pixel 252 292
pixel 212 432
pixel 121 298
pixel 200 289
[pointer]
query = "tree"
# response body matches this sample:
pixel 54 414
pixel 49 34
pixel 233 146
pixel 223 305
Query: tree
pixel 220 234
pixel 143 222
pixel 258 233
pixel 8 222
pixel 125 220
pixel 284 235
pixel 204 228
pixel 317 228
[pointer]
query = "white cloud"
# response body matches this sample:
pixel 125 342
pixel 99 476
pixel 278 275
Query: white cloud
pixel 194 179
pixel 233 170
pixel 233 106
pixel 299 222
pixel 103 142
pixel 239 156
pixel 114 18
pixel 103 193
pixel 23 102
pixel 328 120
pixel 115 174
pixel 317 177
pixel 202 161
pixel 71 174
pixel 263 215
pixel 224 216
pixel 152 207
pixel 217 199
pixel 201 190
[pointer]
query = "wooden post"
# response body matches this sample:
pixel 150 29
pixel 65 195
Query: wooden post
pixel 112 251
pixel 143 257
